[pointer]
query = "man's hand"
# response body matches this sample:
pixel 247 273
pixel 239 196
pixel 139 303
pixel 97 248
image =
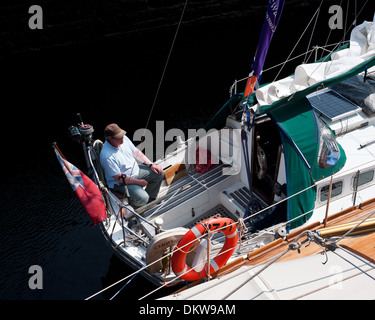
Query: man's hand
pixel 129 180
pixel 139 155
pixel 157 169
pixel 141 182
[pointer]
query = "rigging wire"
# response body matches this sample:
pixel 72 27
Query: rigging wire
pixel 161 80
pixel 166 64
pixel 330 29
pixel 355 227
pixel 315 48
pixel 312 33
pixel 285 199
pixel 354 23
pixel 123 287
pixel 319 64
pixel 337 45
pixel 296 245
pixel 298 41
pixel 283 64
pixel 255 237
pixel 366 272
pixel 274 259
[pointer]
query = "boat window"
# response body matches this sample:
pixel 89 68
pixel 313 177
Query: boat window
pixel 336 190
pixel 329 152
pixel 364 177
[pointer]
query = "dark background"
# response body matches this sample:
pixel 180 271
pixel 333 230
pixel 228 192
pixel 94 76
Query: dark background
pixel 104 59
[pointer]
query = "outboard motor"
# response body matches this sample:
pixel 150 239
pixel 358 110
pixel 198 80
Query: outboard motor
pixel 82 133
pixel 86 130
pixel 74 133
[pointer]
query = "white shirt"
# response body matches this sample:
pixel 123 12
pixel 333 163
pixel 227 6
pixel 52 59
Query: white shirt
pixel 120 160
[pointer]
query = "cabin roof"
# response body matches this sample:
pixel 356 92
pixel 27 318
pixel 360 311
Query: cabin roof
pixel 335 68
pixel 358 156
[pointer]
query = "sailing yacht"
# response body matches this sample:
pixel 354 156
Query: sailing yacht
pixel 275 161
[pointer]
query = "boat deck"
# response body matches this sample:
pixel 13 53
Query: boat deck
pixel 363 246
pixel 261 275
pixel 187 187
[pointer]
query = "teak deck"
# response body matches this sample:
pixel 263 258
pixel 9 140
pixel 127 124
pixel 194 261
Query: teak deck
pixel 363 246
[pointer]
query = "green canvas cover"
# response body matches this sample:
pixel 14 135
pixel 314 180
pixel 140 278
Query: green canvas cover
pixel 300 137
pixel 299 134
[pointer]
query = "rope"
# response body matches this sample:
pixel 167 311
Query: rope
pixel 285 199
pixel 143 268
pixel 167 284
pixel 158 89
pixel 280 255
pixel 296 245
pixel 355 227
pixel 242 230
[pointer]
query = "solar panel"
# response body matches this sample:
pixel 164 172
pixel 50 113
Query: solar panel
pixel 332 105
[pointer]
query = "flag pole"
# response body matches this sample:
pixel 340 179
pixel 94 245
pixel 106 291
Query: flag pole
pixel 54 145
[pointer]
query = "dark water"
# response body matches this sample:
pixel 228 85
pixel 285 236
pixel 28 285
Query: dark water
pixel 108 79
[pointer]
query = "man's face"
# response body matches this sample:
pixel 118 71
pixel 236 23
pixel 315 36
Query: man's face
pixel 116 142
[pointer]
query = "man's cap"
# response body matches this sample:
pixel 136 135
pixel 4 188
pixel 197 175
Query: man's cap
pixel 114 131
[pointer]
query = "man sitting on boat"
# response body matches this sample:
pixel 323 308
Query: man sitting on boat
pixel 118 159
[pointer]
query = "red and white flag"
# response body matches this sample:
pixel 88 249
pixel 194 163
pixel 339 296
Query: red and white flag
pixel 86 190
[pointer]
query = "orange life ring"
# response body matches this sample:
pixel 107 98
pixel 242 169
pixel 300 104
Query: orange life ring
pixel 224 225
